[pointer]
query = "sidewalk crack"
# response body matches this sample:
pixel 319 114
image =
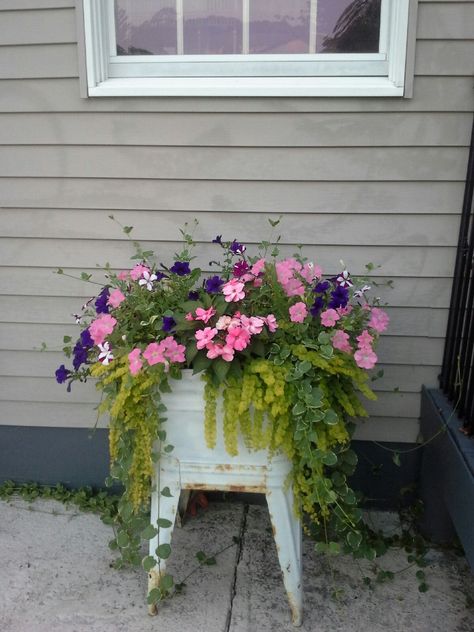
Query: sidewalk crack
pixel 238 557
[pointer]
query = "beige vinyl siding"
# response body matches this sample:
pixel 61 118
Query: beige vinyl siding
pixel 377 180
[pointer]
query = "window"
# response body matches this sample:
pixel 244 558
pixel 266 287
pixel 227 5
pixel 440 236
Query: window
pixel 246 47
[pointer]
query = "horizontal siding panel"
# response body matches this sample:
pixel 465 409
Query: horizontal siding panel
pixel 404 321
pixel 405 350
pixel 234 130
pixel 209 163
pixel 242 196
pixel 436 57
pixel 408 230
pixel 393 261
pixel 37 364
pixel 38 60
pixel 431 94
pixel 20 5
pixel 405 292
pixel 445 21
pixel 33 27
pixel 42 390
pixel 388 429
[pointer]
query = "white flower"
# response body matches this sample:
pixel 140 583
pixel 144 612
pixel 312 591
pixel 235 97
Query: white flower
pixel 77 318
pixel 360 293
pixel 147 280
pixel 105 355
pixel 344 279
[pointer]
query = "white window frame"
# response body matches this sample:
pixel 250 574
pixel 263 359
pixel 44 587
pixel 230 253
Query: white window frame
pixel 377 74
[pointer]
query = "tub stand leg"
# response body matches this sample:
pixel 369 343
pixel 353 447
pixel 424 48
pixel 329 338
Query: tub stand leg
pixel 164 507
pixel 287 533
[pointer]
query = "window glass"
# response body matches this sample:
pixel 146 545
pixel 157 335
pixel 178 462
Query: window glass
pixel 145 27
pixel 212 27
pixel 348 26
pixel 279 26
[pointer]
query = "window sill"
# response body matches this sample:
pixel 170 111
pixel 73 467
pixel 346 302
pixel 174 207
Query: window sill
pixel 247 87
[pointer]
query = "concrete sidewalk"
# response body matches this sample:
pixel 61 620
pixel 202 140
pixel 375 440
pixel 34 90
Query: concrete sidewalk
pixel 55 576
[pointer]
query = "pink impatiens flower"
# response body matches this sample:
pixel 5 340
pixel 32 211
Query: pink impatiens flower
pixel 204 314
pixel 340 341
pixel 379 320
pixel 329 318
pixel 237 338
pixel 204 336
pixel 189 316
pixel 365 358
pixel 215 350
pixel 233 291
pixel 172 350
pixel 102 327
pixel 253 325
pixel 115 298
pixel 271 323
pixel 298 312
pixel 135 362
pixel 223 322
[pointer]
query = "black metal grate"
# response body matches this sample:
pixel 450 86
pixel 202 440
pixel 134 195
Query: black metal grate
pixel 457 376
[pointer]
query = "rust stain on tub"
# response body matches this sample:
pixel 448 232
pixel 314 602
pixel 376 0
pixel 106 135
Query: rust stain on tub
pixel 255 489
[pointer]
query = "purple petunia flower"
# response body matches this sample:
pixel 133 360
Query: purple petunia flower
pixel 317 306
pixel 86 339
pixel 321 287
pixel 236 248
pixel 80 355
pixel 181 268
pixel 193 296
pixel 339 297
pixel 213 285
pixel 101 306
pixel 168 323
pixel 62 374
pixel 240 268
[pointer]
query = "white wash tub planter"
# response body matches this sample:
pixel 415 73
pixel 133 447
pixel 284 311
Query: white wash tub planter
pixel 192 465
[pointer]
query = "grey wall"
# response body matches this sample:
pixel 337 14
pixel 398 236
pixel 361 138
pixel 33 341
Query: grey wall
pixel 377 180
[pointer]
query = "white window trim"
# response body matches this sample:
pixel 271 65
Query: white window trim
pixel 387 68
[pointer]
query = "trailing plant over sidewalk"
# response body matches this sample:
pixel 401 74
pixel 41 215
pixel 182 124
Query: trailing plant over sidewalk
pixel 288 350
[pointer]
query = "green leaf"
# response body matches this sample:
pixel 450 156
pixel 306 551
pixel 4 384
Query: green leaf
pixel 327 351
pixel 423 587
pixel 166 492
pixel 221 368
pixel 149 532
pixel 161 434
pixel 123 540
pixel 298 409
pixel 148 563
pixel 354 538
pixel 200 556
pixel 67 339
pixel 85 276
pixel 396 458
pixel 210 561
pixel 331 418
pixel 164 523
pixel 324 338
pixel 334 548
pixel 125 510
pixel 168 448
pixel 154 596
pixel 163 551
pixel 329 458
pixel 166 583
pixel 201 362
pixel 127 229
pixel 304 367
pixel 321 547
pixel 420 575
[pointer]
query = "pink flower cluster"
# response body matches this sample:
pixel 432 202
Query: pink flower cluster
pixel 289 273
pixel 164 352
pixel 365 356
pixel 233 334
pixel 101 327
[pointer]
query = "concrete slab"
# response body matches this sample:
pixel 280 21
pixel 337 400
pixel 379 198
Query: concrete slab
pixel 55 575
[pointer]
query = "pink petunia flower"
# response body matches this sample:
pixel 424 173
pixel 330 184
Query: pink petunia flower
pixel 115 298
pixel 365 339
pixel 154 353
pixel 135 362
pixel 298 312
pixel 233 291
pixel 123 276
pixel 340 341
pixel 271 323
pixel 237 338
pixel 329 318
pixel 102 327
pixel 344 311
pixel 204 314
pixel 365 358
pixel 137 271
pixel 289 272
pixel 378 320
pixel 204 336
pixel 223 322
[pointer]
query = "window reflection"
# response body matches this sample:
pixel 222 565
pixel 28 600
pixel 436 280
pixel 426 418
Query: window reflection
pixel 279 26
pixel 212 27
pixel 145 27
pixel 348 26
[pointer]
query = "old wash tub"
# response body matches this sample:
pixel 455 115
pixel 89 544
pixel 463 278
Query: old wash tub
pixel 192 465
